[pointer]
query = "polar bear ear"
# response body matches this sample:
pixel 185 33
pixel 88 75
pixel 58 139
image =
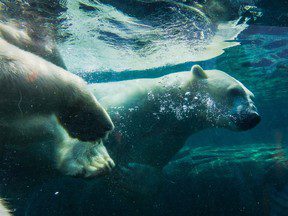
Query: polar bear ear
pixel 198 72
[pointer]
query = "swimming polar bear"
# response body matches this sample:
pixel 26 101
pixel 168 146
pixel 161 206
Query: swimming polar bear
pixel 22 36
pixel 36 94
pixel 4 209
pixel 154 117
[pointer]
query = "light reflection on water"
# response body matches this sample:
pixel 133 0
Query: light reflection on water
pixel 169 35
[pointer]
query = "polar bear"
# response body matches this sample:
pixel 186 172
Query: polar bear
pixel 154 117
pixel 4 209
pixel 24 36
pixel 39 100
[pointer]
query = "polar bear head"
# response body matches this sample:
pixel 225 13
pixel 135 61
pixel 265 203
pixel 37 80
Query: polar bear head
pixel 227 102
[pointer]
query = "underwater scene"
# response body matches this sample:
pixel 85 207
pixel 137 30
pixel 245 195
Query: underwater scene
pixel 143 107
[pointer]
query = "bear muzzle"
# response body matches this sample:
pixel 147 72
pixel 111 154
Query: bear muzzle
pixel 248 120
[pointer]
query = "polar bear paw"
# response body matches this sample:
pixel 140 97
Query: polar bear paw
pixel 83 159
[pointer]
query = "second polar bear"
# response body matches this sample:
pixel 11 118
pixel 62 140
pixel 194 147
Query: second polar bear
pixel 33 92
pixel 154 117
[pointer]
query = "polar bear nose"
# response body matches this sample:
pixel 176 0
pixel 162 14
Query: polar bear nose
pixel 255 119
pixel 248 121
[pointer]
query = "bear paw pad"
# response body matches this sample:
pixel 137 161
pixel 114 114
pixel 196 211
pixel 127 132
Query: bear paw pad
pixel 86 160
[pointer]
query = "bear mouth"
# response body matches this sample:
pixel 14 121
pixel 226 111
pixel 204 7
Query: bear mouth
pixel 247 121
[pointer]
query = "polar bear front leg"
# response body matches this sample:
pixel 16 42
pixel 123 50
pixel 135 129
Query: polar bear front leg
pixel 86 159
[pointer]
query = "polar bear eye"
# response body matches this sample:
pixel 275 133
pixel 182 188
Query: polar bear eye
pixel 236 91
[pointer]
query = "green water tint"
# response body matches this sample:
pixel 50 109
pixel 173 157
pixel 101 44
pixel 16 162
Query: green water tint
pixel 201 161
pixel 260 62
pixel 131 36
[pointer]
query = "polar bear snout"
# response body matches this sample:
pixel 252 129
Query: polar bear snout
pixel 248 120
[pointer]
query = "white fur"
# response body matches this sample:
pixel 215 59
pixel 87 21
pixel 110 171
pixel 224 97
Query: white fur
pixel 77 158
pixel 4 209
pixel 154 117
pixel 43 46
pixel 33 91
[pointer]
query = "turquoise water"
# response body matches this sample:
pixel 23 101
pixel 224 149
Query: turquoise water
pixel 217 172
